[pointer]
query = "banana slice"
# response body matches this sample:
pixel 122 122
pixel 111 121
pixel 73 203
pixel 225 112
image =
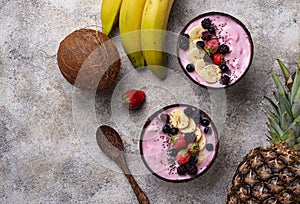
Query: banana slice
pixel 196 32
pixel 190 128
pixel 198 134
pixel 199 65
pixel 211 73
pixel 202 143
pixel 195 54
pixel 201 157
pixel 178 119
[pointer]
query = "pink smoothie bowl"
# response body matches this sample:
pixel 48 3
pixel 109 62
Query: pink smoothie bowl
pixel 233 55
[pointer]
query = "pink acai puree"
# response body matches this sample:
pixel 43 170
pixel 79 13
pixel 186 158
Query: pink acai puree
pixel 155 145
pixel 234 34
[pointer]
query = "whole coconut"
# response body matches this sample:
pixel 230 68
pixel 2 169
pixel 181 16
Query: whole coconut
pixel 89 60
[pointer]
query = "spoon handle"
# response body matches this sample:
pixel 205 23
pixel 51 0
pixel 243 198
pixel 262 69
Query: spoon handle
pixel 141 196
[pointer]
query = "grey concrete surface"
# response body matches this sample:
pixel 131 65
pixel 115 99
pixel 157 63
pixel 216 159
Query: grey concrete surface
pixel 47 128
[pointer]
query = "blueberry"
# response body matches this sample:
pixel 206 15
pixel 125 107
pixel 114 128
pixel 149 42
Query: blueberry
pixel 209 147
pixel 193 160
pixel 164 118
pixel 190 68
pixel 166 129
pixel 192 169
pixel 207 130
pixel 184 42
pixel 224 68
pixel 200 44
pixel 212 30
pixel 174 131
pixel 190 137
pixel 204 122
pixel 181 170
pixel 173 152
pixel 188 111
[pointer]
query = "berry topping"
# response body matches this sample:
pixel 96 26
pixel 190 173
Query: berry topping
pixel 207 130
pixel 166 129
pixel 190 137
pixel 193 160
pixel 225 79
pixel 204 122
pixel 212 30
pixel 188 111
pixel 223 49
pixel 174 131
pixel 224 68
pixel 211 46
pixel 206 35
pixel 206 23
pixel 182 157
pixel 178 142
pixel 173 152
pixel 164 118
pixel 209 147
pixel 193 148
pixel 200 44
pixel 218 58
pixel 192 169
pixel 190 68
pixel 181 170
pixel 133 99
pixel 184 42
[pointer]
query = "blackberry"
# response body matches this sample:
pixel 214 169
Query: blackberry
pixel 165 118
pixel 206 23
pixel 224 68
pixel 223 49
pixel 173 152
pixel 166 129
pixel 200 44
pixel 174 131
pixel 212 30
pixel 225 79
pixel 184 42
pixel 190 67
pixel 206 35
pixel 204 122
pixel 190 137
pixel 181 170
pixel 193 160
pixel 192 169
pixel 188 111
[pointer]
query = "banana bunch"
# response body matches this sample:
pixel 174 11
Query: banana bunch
pixel 142 26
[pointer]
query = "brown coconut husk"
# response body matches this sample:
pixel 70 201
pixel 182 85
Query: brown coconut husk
pixel 89 60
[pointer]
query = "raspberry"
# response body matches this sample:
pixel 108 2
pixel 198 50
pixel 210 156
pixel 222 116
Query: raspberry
pixel 206 23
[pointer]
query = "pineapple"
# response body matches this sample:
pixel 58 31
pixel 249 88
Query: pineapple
pixel 272 174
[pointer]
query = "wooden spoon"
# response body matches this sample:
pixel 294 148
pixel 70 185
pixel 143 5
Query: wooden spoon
pixel 111 144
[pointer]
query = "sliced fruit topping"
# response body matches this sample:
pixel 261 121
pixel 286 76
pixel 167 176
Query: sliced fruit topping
pixel 225 79
pixel 211 73
pixel 190 137
pixel 192 169
pixel 178 142
pixel 164 118
pixel 166 128
pixel 209 147
pixel 198 134
pixel 223 49
pixel 204 122
pixel 190 68
pixel 195 54
pixel 193 160
pixel 178 119
pixel 224 68
pixel 206 35
pixel 201 157
pixel 190 128
pixel 193 148
pixel 173 152
pixel 199 65
pixel 184 42
pixel 133 99
pixel 173 131
pixel 202 143
pixel 207 130
pixel 183 157
pixel 196 32
pixel 206 23
pixel 218 59
pixel 200 44
pixel 211 46
pixel 181 170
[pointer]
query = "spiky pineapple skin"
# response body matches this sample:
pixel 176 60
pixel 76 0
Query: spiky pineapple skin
pixel 267 175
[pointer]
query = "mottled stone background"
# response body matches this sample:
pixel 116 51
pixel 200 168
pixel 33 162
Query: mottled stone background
pixel 48 155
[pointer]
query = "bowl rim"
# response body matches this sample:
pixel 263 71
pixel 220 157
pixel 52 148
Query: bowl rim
pixel 150 118
pixel 238 22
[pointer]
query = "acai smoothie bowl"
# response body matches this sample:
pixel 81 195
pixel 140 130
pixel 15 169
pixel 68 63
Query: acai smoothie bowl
pixel 178 143
pixel 215 50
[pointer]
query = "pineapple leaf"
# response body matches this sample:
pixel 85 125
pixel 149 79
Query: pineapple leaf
pixel 283 104
pixel 275 126
pixel 296 108
pixel 285 71
pixel 295 126
pixel 270 114
pixel 285 120
pixel 273 105
pixel 295 86
pixel 279 86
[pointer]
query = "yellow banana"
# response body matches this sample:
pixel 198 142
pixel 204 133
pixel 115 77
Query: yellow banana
pixel 130 24
pixel 109 14
pixel 154 23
